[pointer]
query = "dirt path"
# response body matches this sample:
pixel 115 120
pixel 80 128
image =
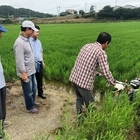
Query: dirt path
pixel 26 125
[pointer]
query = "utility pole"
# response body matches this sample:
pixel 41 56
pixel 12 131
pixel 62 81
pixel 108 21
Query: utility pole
pixel 116 3
pixel 58 9
pixel 85 7
pixel 29 14
pixel 8 15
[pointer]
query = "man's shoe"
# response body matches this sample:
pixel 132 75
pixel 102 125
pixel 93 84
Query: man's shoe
pixel 37 104
pixel 42 96
pixel 6 123
pixel 34 110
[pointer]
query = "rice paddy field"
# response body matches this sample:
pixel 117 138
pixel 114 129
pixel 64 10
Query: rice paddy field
pixel 61 44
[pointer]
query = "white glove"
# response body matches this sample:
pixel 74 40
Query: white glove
pixel 119 87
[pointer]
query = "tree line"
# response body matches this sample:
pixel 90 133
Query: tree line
pixel 106 13
pixel 120 13
pixel 110 13
pixel 9 11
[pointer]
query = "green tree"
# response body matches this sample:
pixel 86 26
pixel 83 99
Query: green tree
pixel 7 11
pixel 106 13
pixel 92 9
pixel 81 12
pixel 75 12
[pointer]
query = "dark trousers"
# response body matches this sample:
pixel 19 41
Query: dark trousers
pixel 84 96
pixel 39 79
pixel 3 103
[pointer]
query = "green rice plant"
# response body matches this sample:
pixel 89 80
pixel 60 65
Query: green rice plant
pixel 62 43
pixel 2 132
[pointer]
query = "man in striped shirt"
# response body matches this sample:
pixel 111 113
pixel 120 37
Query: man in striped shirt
pixel 91 57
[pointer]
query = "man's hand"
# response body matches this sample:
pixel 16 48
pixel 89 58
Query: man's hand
pixel 24 77
pixel 98 73
pixel 119 87
pixel 43 64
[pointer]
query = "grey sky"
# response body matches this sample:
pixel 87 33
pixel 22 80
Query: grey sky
pixel 57 6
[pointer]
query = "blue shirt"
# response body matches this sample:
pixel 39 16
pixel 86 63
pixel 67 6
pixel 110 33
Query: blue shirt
pixel 2 79
pixel 37 48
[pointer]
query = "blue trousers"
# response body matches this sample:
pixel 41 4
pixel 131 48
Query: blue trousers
pixel 29 90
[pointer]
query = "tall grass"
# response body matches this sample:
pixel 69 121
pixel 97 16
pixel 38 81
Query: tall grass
pixel 112 121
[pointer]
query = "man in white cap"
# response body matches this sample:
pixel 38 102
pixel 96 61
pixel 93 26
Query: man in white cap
pixel 25 65
pixel 2 91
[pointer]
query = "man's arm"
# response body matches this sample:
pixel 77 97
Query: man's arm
pixel 104 67
pixel 19 53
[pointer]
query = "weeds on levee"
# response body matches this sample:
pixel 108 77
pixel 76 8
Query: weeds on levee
pixel 113 120
pixel 41 137
pixel 3 134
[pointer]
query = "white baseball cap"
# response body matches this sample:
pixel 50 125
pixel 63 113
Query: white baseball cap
pixel 29 24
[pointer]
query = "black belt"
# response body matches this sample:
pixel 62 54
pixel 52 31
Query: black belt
pixel 39 62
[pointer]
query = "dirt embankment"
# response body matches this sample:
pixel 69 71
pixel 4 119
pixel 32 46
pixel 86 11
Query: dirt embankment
pixel 63 19
pixel 26 125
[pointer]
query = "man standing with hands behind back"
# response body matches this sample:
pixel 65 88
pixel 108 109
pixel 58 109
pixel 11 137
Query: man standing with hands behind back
pixel 38 54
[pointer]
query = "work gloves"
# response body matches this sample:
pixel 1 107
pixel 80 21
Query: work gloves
pixel 119 87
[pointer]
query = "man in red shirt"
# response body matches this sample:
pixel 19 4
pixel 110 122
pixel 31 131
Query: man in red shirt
pixel 91 57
